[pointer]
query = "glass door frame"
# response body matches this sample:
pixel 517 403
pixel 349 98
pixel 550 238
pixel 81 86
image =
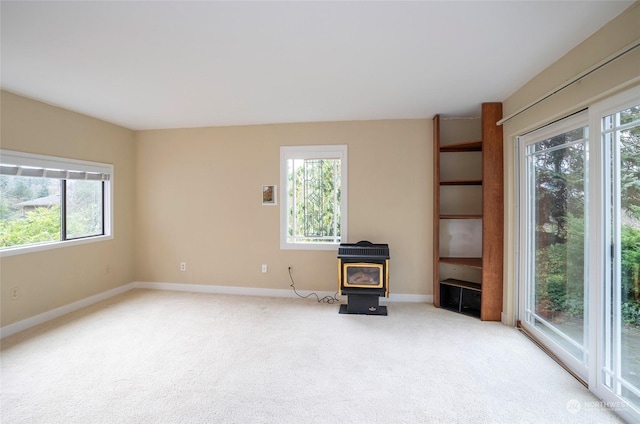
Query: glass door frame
pixel 601 267
pixel 526 243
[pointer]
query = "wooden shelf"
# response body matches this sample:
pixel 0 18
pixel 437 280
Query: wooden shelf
pixel 464 284
pixel 461 182
pixel 460 216
pixel 470 262
pixel 467 146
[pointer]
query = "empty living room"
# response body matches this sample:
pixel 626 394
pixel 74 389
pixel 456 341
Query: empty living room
pixel 319 212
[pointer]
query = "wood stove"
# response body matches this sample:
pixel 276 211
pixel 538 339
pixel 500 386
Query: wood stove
pixel 363 275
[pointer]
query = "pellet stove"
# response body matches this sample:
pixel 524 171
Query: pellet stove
pixel 363 276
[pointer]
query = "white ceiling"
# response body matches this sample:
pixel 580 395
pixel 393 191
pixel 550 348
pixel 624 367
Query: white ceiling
pixel 176 64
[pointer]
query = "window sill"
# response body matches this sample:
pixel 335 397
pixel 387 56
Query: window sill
pixel 310 246
pixel 19 250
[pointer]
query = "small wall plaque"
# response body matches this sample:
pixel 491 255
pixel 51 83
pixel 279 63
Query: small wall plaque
pixel 269 195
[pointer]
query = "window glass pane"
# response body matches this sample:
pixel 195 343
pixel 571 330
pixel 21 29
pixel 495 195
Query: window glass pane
pixel 84 208
pixel 567 138
pixel 556 224
pixel 314 200
pixel 29 210
pixel 630 115
pixel 630 252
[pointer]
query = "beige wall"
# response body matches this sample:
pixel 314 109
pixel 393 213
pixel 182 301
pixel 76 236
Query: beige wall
pixel 53 278
pixel 198 200
pixel 194 195
pixel 618 75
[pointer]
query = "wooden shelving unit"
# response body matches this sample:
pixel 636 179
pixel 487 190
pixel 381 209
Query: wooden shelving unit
pixel 468 223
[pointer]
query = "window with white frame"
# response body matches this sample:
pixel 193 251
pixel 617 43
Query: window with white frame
pixel 313 182
pixel 48 201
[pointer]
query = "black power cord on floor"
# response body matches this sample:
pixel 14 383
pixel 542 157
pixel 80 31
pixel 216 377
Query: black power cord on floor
pixel 327 299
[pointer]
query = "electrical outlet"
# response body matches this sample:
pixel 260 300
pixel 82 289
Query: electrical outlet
pixel 14 293
pixel 183 266
pixel 264 268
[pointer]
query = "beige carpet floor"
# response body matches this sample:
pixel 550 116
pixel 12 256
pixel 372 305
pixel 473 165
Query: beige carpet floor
pixel 173 357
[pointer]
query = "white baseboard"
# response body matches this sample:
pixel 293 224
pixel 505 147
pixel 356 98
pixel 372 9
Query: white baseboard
pixel 194 288
pixel 10 329
pixel 254 291
pixel 410 298
pixel 211 289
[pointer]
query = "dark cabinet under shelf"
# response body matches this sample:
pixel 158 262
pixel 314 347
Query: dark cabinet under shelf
pixel 461 296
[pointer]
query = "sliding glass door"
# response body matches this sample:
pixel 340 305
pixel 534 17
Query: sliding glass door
pixel 619 364
pixel 554 191
pixel 579 246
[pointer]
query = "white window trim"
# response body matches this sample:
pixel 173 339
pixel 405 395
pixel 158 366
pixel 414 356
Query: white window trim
pixel 312 152
pixel 54 162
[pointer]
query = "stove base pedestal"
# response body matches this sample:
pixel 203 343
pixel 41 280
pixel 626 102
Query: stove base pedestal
pixel 363 304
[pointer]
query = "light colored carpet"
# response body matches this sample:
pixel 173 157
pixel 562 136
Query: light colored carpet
pixel 172 357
